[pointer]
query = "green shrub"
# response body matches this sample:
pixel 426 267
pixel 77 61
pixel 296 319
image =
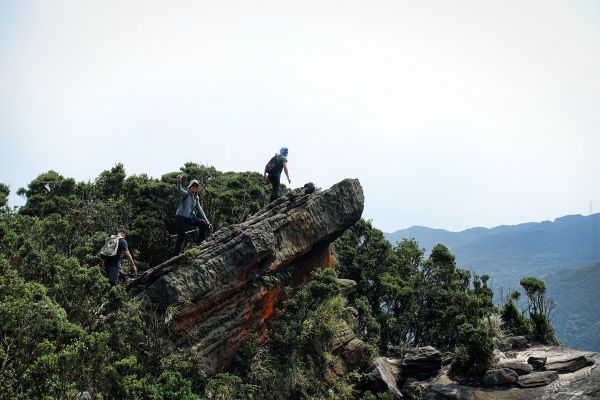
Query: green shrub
pixel 514 320
pixel 473 354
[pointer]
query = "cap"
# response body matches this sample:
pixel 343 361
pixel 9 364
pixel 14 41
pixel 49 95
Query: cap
pixel 193 182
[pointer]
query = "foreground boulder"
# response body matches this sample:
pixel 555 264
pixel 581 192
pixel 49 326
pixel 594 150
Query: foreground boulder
pixel 537 362
pixel 520 367
pixel 383 375
pixel 227 288
pixel 499 377
pixel 421 362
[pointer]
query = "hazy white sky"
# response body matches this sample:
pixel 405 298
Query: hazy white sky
pixel 451 114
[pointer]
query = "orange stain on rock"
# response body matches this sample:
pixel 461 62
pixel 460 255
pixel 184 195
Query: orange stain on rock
pixel 269 304
pixel 331 262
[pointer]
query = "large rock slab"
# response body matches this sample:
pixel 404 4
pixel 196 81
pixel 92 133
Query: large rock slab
pixel 226 288
pixel 536 379
pixel 568 365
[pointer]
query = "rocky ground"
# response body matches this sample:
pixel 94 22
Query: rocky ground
pixel 575 379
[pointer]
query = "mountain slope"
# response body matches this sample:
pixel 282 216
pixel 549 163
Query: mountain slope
pixel 507 253
pixel 577 315
pixel 558 252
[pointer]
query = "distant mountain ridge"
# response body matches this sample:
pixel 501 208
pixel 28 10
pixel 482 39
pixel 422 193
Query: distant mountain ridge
pixel 509 252
pixel 560 252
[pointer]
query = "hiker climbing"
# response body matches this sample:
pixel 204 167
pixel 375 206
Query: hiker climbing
pixel 190 213
pixel 111 254
pixel 273 170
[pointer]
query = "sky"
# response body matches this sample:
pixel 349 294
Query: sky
pixel 451 114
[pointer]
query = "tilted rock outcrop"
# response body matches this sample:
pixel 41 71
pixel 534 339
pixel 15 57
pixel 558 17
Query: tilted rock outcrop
pixel 227 287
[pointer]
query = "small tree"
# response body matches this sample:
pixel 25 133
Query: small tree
pixel 539 308
pixel 515 320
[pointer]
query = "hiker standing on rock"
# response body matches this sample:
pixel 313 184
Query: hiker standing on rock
pixel 190 213
pixel 111 255
pixel 273 170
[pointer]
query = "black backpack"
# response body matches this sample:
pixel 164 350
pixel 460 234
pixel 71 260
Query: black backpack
pixel 272 164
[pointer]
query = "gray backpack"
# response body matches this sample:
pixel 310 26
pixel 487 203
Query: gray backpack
pixel 110 247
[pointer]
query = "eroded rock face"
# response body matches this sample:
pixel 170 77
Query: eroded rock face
pixel 227 288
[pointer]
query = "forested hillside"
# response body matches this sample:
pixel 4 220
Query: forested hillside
pixel 65 331
pixel 559 252
pixel 577 315
pixel 509 252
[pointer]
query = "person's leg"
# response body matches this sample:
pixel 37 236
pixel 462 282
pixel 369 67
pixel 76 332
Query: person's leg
pixel 180 226
pixel 202 231
pixel 275 189
pixel 113 275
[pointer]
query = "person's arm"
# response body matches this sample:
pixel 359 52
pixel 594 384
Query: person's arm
pixel 133 267
pixel 201 214
pixel 286 172
pixel 180 190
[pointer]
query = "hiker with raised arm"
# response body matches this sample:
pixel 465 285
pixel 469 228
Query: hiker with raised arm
pixel 273 170
pixel 111 254
pixel 190 213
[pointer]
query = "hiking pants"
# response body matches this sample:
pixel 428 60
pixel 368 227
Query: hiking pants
pixel 275 182
pixel 182 224
pixel 112 273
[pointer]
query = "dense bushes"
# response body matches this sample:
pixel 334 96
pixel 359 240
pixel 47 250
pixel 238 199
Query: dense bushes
pixel 64 330
pixel 414 301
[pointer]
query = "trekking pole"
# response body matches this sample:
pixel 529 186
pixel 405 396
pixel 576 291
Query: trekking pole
pixel 186 232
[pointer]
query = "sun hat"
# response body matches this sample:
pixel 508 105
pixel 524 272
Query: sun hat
pixel 193 182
